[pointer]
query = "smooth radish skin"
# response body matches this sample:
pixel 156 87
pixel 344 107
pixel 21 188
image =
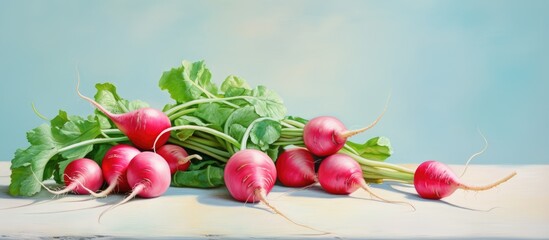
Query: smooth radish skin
pixel 114 166
pixel 434 180
pixel 178 159
pixel 141 126
pixel 149 174
pixel 296 168
pixel 81 176
pixel 341 174
pixel 249 176
pixel 326 135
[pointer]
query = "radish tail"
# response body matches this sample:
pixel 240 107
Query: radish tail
pixel 486 187
pixel 134 193
pixel 93 102
pixel 75 183
pixel 108 190
pixel 189 158
pixel 365 186
pixel 262 196
pixel 350 133
pixel 476 154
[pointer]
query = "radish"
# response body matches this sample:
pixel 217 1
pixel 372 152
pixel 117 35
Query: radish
pixel 149 175
pixel 341 174
pixel 81 176
pixel 249 176
pixel 434 180
pixel 326 135
pixel 141 126
pixel 114 166
pixel 296 168
pixel 176 156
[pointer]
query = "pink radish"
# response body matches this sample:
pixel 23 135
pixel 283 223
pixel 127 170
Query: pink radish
pixel 178 159
pixel 325 135
pixel 81 176
pixel 114 166
pixel 249 176
pixel 296 168
pixel 149 175
pixel 434 180
pixel 341 174
pixel 141 126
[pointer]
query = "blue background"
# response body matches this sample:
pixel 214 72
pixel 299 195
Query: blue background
pixel 450 66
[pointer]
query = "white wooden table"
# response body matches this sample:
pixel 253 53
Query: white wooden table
pixel 517 209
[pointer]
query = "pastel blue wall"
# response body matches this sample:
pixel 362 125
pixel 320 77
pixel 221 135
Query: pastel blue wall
pixel 451 66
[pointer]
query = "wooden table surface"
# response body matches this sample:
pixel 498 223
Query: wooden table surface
pixel 518 208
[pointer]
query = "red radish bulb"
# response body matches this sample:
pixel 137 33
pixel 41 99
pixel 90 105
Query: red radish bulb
pixel 326 135
pixel 178 159
pixel 141 126
pixel 249 176
pixel 341 174
pixel 114 166
pixel 435 180
pixel 296 168
pixel 149 175
pixel 81 176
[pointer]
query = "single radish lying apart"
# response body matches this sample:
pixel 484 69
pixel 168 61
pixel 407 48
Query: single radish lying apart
pixel 296 168
pixel 341 174
pixel 434 180
pixel 178 159
pixel 114 166
pixel 149 175
pixel 141 126
pixel 325 135
pixel 81 176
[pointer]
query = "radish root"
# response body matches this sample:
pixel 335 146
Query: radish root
pixel 365 186
pixel 489 186
pixel 262 196
pixel 134 193
pixel 350 133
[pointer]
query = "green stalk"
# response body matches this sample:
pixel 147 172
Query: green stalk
pixel 206 142
pixel 197 148
pixel 182 113
pixel 372 163
pixel 294 123
pixel 249 129
pixel 208 148
pixel 406 177
pixel 171 111
pixel 93 141
pixel 203 129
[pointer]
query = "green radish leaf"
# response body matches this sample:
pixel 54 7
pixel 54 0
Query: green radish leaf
pixel 188 82
pixel 239 120
pixel 203 174
pixel 213 113
pixel 267 103
pixel 108 98
pixel 378 148
pixel 183 134
pixel 264 133
pixel 46 141
pixel 234 82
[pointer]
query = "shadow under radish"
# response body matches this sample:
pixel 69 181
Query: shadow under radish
pixel 413 196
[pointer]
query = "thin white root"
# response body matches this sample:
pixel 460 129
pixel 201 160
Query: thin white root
pixel 365 186
pixel 134 193
pixel 262 196
pixel 475 154
pixel 350 133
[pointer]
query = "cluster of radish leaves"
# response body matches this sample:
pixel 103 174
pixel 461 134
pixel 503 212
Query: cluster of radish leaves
pixel 207 119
